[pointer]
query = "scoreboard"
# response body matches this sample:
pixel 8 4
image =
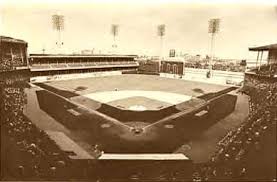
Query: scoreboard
pixel 172 67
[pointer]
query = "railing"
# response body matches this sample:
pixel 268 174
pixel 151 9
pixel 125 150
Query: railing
pixel 82 65
pixel 265 69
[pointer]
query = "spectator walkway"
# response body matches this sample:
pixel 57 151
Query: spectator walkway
pixel 39 117
pixel 73 150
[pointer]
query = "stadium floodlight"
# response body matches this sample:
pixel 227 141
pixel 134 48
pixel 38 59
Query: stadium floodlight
pixel 114 31
pixel 58 25
pixel 213 29
pixel 161 34
pixel 161 30
pixel 214 25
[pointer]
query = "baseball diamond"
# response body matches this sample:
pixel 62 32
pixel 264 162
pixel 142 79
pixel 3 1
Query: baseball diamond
pixel 149 114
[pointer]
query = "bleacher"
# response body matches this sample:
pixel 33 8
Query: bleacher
pixel 13 53
pixel 81 62
pixel 265 70
pixel 221 66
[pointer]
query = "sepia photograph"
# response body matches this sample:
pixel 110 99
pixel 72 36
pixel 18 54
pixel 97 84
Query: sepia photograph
pixel 138 91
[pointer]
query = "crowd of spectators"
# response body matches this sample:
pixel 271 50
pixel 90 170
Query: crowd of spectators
pixel 63 64
pixel 8 63
pixel 267 70
pixel 228 163
pixel 27 151
pixel 221 66
pixel 5 65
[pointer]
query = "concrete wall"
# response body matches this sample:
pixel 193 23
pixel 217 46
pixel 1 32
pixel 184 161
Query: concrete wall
pixel 218 77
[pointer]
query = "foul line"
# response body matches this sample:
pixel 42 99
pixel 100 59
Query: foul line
pixel 113 120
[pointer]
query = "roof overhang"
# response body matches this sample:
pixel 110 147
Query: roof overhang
pixel 11 40
pixel 80 56
pixel 264 48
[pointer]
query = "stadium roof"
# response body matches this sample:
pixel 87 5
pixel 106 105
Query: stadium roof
pixel 79 55
pixel 264 48
pixel 12 40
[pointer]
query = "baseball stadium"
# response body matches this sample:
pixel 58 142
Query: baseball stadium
pixel 107 117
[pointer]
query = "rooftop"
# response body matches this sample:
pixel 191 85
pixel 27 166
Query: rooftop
pixel 79 55
pixel 10 39
pixel 264 48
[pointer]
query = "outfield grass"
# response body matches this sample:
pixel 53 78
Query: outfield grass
pixel 135 82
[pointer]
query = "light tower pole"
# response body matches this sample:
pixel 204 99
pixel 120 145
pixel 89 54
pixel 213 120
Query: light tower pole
pixel 58 25
pixel 114 31
pixel 161 34
pixel 213 30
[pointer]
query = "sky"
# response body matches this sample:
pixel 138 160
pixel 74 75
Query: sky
pixel 88 25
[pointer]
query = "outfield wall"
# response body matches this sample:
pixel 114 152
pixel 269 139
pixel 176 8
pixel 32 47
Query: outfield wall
pixel 218 77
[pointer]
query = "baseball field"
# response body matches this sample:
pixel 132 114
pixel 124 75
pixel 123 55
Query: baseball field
pixel 132 94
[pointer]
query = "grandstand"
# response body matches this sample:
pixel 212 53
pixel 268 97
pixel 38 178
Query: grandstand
pixel 13 54
pixel 26 151
pixel 47 64
pixel 249 151
pixel 270 68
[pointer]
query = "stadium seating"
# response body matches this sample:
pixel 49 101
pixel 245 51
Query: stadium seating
pixel 7 64
pixel 77 65
pixel 29 153
pixel 217 66
pixel 269 70
pixel 228 162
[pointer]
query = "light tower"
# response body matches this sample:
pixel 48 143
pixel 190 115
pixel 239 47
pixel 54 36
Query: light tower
pixel 114 32
pixel 213 30
pixel 58 25
pixel 161 34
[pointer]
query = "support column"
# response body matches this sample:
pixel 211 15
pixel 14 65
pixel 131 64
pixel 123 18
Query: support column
pixel 261 60
pixel 257 59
